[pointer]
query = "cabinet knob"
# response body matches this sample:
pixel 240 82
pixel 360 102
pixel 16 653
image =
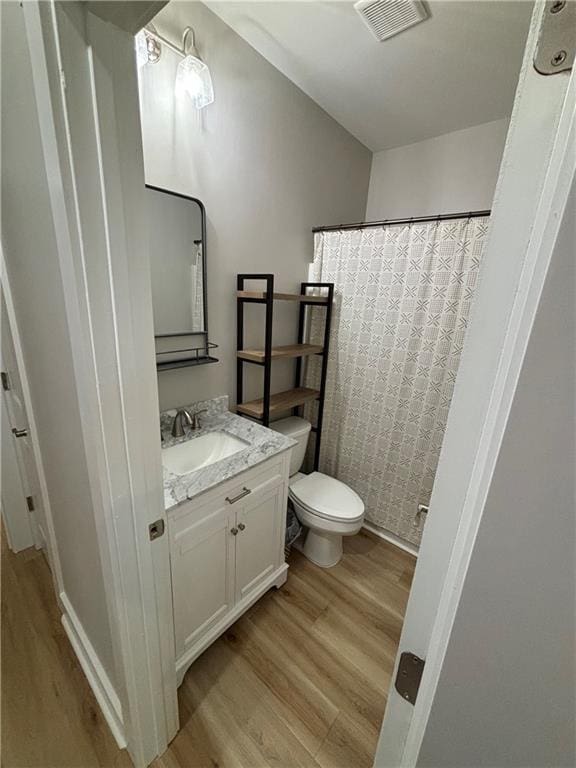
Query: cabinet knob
pixel 241 526
pixel 234 531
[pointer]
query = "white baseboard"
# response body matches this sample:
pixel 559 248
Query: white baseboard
pixel 99 681
pixel 41 544
pixel 392 539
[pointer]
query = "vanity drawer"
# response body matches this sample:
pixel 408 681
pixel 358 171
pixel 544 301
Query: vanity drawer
pixel 268 473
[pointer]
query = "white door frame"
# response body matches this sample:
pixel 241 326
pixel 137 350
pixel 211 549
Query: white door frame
pixel 534 202
pixel 110 328
pixel 21 524
pixel 50 542
pixel 17 518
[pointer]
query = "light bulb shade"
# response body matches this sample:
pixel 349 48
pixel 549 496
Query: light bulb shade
pixel 193 79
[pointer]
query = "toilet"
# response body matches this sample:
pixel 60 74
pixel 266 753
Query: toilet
pixel 328 508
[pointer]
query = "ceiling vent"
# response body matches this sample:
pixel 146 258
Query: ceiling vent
pixel 386 18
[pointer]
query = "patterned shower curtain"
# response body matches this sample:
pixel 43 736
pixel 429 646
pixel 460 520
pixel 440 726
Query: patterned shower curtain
pixel 403 297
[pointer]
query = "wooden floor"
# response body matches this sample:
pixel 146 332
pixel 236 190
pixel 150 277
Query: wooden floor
pixel 50 718
pixel 299 680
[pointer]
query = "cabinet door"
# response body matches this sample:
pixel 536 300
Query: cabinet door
pixel 260 540
pixel 202 573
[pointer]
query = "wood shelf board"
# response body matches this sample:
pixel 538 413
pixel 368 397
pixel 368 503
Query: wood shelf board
pixel 282 401
pixel 279 353
pixel 261 296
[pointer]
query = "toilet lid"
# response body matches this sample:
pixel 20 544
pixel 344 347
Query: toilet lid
pixel 327 497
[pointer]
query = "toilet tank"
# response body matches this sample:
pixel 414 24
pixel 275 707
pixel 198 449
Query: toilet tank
pixel 298 429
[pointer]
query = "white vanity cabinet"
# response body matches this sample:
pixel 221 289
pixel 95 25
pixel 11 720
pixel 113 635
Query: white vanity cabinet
pixel 226 550
pixel 260 523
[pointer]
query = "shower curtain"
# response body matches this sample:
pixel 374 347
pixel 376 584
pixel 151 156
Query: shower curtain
pixel 403 296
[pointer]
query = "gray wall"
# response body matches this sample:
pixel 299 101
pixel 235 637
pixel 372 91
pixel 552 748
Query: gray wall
pixel 267 162
pixel 447 174
pixel 32 261
pixel 506 694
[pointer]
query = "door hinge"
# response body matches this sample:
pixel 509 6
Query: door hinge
pixel 156 529
pixel 557 39
pixel 30 502
pixel 410 669
pixel 5 381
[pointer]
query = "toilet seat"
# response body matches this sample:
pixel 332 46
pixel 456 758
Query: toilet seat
pixel 327 498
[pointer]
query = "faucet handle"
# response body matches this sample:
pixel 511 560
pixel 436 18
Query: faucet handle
pixel 196 420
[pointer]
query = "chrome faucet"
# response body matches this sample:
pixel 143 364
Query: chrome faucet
pixel 185 418
pixel 181 419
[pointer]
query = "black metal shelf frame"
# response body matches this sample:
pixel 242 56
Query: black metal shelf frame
pixel 268 300
pixel 325 351
pixel 196 355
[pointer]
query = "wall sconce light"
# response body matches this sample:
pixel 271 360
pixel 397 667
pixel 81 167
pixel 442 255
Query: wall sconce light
pixel 193 76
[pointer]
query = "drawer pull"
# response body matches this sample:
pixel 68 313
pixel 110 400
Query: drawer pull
pixel 234 499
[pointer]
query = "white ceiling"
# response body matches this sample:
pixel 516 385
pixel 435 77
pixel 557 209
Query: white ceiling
pixel 458 68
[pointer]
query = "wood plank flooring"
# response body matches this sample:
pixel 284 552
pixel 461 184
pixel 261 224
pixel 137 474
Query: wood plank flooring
pixel 50 718
pixel 299 681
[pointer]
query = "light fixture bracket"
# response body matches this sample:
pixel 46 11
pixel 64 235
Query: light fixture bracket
pixel 153 45
pixel 193 75
pixel 187 48
pixel 188 42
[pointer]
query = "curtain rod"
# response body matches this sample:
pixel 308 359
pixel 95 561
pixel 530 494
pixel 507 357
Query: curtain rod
pixel 413 220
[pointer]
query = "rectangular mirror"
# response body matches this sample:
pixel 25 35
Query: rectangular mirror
pixel 176 240
pixel 177 243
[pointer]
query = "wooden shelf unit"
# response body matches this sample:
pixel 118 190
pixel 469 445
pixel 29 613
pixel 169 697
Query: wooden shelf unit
pixel 261 297
pixel 282 401
pixel 280 353
pixel 293 399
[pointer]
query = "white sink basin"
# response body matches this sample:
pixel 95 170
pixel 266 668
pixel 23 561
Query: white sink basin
pixel 200 452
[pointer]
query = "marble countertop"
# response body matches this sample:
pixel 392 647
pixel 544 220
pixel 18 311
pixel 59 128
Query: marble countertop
pixel 262 443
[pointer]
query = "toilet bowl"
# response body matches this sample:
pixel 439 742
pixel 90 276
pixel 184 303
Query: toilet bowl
pixel 328 508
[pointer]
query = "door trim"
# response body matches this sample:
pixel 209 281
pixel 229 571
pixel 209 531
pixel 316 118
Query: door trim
pixel 126 501
pixel 51 548
pixel 540 232
pixel 561 172
pixel 17 518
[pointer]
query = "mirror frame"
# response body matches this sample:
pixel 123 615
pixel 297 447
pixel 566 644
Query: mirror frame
pixel 204 333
